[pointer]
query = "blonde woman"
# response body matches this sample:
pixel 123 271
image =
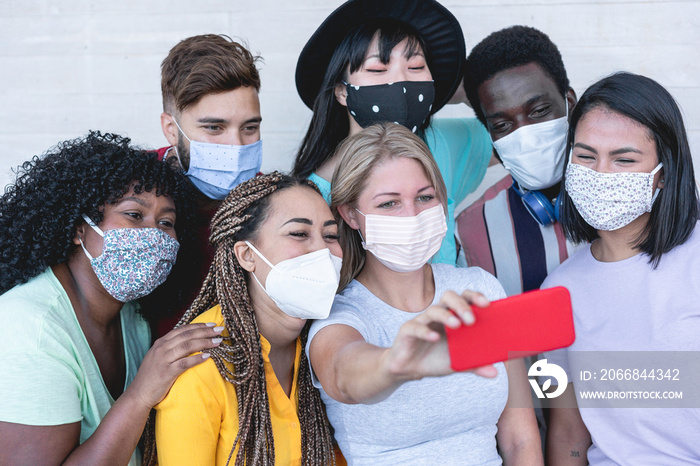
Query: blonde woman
pixel 276 264
pixel 381 358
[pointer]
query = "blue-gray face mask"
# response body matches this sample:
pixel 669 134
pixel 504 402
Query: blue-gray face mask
pixel 215 169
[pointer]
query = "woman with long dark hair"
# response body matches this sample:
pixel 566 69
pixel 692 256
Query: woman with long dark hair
pixel 631 194
pixel 386 61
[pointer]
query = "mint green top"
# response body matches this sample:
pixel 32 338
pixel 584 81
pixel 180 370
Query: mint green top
pixel 49 374
pixel 462 149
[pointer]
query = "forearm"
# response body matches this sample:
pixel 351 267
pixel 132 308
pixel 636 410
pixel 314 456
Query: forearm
pixel 117 436
pixel 566 448
pixel 361 374
pixel 526 451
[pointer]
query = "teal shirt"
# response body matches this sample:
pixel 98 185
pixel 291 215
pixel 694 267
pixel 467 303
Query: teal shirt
pixel 323 186
pixel 49 374
pixel 462 150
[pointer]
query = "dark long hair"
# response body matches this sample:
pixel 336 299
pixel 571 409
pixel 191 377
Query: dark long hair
pixel 676 210
pixel 329 123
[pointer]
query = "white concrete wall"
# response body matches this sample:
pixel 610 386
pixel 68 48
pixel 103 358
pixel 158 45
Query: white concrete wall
pixel 67 66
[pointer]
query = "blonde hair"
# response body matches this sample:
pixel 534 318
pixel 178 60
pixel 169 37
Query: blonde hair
pixel 357 157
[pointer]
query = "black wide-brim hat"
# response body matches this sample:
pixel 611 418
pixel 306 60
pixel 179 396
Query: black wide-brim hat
pixel 438 28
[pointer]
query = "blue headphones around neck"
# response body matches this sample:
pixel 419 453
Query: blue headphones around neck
pixel 544 211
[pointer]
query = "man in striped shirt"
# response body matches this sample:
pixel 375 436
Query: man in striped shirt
pixel 518 87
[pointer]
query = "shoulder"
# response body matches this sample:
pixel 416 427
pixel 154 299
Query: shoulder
pixel 349 308
pixel 569 270
pixel 200 394
pixel 489 192
pixel 458 279
pixel 212 315
pixel 203 383
pixel 162 151
pixel 32 310
pixel 456 137
pixel 693 241
pixel 322 185
pixel 456 127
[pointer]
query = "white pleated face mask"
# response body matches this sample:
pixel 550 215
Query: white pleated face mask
pixel 609 201
pixel 534 154
pixel 304 286
pixel 405 244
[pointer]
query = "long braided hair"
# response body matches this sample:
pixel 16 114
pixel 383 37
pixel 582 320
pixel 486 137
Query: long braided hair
pixel 239 218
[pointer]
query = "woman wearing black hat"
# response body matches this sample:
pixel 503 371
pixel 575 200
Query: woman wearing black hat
pixel 382 60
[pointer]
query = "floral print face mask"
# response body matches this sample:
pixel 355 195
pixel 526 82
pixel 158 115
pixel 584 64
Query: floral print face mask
pixel 609 201
pixel 134 261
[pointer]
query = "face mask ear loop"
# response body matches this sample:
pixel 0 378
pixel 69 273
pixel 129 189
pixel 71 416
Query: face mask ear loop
pixel 263 258
pixel 259 254
pixel 358 230
pixel 93 225
pixel 183 133
pixel 177 154
pixel 84 249
pixel 657 190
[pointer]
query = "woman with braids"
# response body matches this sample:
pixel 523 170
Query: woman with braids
pixel 276 264
pixel 85 230
pixel 381 357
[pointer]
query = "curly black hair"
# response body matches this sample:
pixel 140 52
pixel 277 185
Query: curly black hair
pixel 508 48
pixel 40 211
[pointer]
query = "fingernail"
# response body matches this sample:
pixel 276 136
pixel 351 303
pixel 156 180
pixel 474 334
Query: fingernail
pixel 468 318
pixel 205 355
pixel 219 329
pixel 216 341
pixel 453 321
pixel 210 324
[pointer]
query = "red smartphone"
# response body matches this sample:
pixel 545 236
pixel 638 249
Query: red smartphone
pixel 514 327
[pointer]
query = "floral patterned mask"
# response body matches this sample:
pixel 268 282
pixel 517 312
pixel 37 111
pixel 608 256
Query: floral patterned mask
pixel 609 201
pixel 134 261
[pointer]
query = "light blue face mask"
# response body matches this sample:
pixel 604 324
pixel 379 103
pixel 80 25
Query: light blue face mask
pixel 215 169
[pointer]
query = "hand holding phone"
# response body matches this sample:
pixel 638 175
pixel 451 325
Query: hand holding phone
pixel 514 327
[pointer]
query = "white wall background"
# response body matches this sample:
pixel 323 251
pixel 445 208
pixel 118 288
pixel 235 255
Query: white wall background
pixel 67 66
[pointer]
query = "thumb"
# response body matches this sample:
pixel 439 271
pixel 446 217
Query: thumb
pixel 488 372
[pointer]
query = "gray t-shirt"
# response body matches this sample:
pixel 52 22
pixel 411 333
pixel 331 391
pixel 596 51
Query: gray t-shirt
pixel 436 420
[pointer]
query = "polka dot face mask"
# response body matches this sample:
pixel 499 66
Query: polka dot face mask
pixel 406 103
pixel 134 261
pixel 609 201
